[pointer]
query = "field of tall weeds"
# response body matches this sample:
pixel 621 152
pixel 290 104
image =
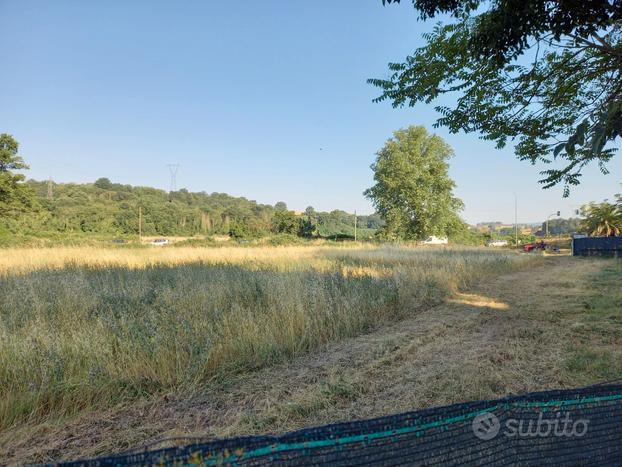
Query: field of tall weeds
pixel 87 328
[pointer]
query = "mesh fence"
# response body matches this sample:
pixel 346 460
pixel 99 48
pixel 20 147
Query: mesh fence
pixel 569 427
pixel 597 246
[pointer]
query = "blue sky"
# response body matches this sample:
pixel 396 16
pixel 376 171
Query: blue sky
pixel 263 99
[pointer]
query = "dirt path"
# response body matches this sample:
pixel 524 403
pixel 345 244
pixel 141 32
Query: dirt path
pixel 507 336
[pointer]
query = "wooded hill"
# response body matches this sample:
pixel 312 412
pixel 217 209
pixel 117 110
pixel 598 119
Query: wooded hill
pixel 104 207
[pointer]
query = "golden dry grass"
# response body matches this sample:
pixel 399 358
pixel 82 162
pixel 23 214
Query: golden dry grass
pixel 86 328
pixel 562 327
pixel 20 260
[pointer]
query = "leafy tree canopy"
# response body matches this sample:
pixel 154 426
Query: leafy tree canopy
pixel 15 197
pixel 413 192
pixel 103 183
pixel 280 206
pixel 35 208
pixel 286 222
pixel 545 74
pixel 603 219
pixel 110 208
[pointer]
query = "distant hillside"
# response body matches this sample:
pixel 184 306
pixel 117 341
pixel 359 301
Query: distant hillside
pixel 105 207
pixel 557 226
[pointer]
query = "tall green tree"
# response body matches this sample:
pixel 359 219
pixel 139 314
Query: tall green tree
pixel 15 197
pixel 308 224
pixel 103 183
pixel 280 206
pixel 544 74
pixel 284 221
pixel 413 192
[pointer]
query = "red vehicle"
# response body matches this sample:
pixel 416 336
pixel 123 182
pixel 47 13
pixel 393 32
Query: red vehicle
pixel 534 246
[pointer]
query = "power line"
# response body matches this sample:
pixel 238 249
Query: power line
pixel 173 168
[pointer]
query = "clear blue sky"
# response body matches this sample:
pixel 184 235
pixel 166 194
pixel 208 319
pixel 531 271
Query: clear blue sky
pixel 243 94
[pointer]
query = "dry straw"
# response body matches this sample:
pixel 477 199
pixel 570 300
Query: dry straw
pixel 86 328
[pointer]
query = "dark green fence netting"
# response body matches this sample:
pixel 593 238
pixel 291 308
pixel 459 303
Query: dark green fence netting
pixel 569 427
pixel 597 246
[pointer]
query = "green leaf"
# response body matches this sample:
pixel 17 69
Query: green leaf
pixel 559 148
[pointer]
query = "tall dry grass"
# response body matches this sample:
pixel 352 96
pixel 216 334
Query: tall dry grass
pixel 87 328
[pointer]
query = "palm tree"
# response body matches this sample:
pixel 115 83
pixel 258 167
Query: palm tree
pixel 604 219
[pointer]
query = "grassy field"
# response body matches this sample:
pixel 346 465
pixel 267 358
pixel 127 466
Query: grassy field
pixel 85 329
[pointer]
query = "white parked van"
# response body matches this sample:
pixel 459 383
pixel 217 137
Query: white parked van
pixel 497 243
pixel 436 241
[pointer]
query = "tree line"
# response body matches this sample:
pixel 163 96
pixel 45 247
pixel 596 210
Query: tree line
pixel 37 208
pixel 412 193
pixel 105 207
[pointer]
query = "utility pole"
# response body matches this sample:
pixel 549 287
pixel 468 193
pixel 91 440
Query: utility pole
pixel 355 225
pixel 515 220
pixel 140 224
pixel 50 189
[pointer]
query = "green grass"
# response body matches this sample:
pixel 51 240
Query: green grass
pixel 77 335
pixel 596 351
